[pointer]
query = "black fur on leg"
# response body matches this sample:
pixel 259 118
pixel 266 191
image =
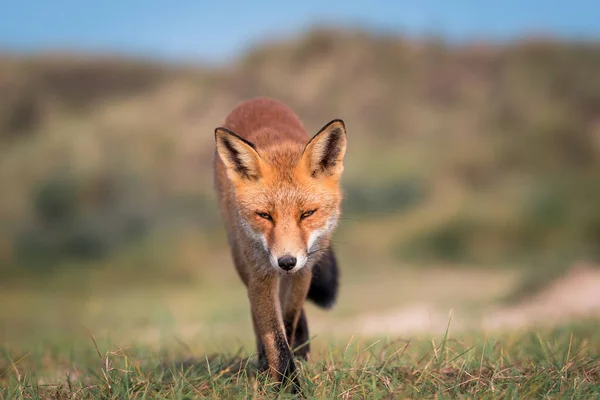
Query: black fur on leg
pixel 263 364
pixel 324 283
pixel 301 344
pixel 286 368
pixel 298 338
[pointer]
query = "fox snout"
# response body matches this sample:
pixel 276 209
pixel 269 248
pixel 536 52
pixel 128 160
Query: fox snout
pixel 286 262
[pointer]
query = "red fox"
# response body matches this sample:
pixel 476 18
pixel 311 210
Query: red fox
pixel 280 198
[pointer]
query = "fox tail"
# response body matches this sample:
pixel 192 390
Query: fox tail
pixel 325 281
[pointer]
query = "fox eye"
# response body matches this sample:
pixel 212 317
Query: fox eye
pixel 307 214
pixel 265 215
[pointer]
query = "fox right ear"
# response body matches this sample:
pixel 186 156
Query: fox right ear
pixel 324 153
pixel 239 156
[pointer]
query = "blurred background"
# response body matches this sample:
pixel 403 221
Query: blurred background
pixel 472 176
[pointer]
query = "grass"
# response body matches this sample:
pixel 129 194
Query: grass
pixel 546 363
pixel 195 340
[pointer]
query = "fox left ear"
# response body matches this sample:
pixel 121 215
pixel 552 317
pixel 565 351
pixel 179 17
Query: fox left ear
pixel 239 156
pixel 324 153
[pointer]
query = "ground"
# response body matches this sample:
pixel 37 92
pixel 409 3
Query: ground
pixel 413 334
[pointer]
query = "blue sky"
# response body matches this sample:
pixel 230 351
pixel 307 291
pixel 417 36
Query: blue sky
pixel 218 30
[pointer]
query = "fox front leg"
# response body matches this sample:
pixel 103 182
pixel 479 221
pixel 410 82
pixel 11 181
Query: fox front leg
pixel 301 346
pixel 266 310
pixel 292 294
pixel 260 347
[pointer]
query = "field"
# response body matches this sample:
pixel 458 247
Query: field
pixel 469 243
pixel 187 340
pixel 558 363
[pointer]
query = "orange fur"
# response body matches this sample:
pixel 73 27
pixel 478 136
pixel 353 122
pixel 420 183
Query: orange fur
pixel 280 198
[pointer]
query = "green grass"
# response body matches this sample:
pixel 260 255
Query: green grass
pixel 558 363
pixel 92 338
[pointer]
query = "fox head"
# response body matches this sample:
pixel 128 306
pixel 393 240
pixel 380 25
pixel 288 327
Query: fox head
pixel 287 194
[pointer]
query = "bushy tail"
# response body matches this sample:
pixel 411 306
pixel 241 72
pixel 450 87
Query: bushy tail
pixel 324 284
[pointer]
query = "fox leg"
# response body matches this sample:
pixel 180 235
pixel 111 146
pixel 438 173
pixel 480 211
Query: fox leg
pixel 301 337
pixel 292 293
pixel 266 312
pixel 260 347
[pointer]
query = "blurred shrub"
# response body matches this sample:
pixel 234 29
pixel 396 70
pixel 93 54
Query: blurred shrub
pixel 75 218
pixel 20 113
pixel 544 212
pixel 81 82
pixel 516 122
pixel 448 242
pixel 55 201
pixel 389 197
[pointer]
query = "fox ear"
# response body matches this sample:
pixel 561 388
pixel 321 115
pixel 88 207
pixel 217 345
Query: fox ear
pixel 239 156
pixel 324 153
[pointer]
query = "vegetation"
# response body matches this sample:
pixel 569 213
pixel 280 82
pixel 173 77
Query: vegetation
pixel 563 362
pixel 102 150
pixel 472 176
pixel 497 145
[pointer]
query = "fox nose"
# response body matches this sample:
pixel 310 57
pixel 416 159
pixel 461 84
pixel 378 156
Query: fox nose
pixel 287 262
